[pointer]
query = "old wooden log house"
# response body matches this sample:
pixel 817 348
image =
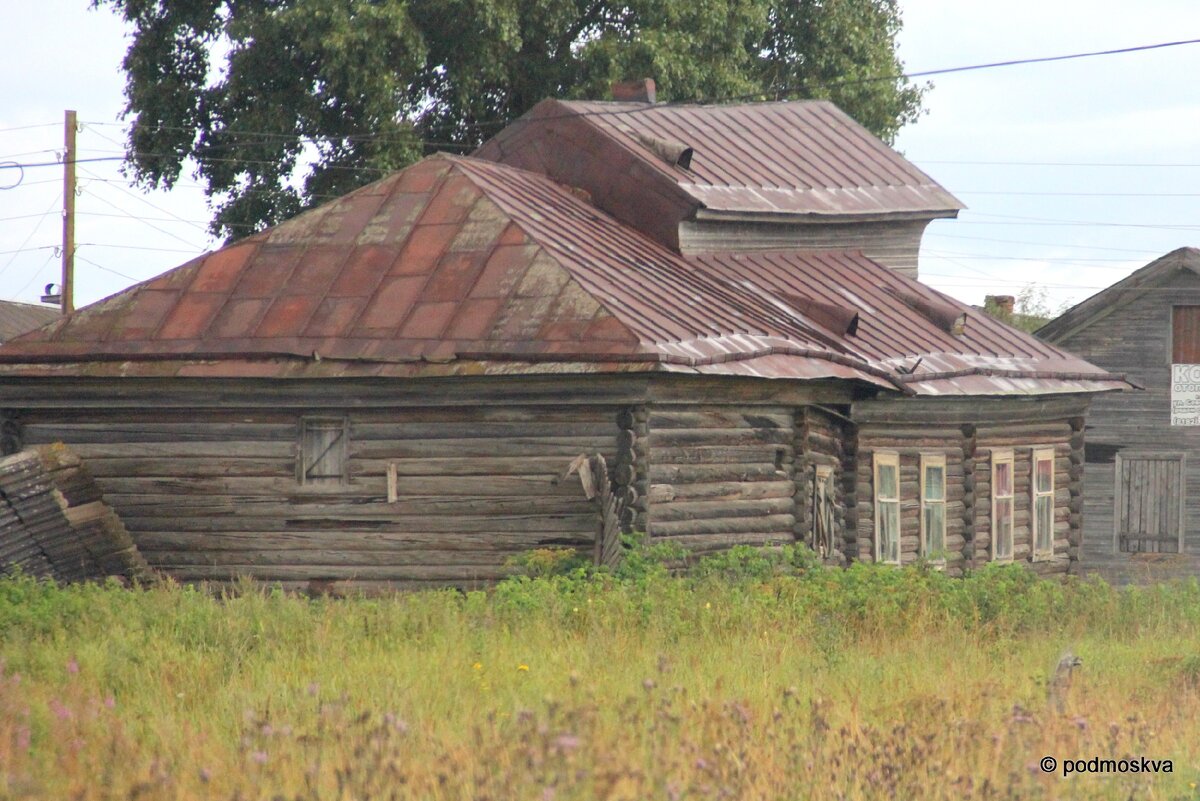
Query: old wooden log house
pixel 387 390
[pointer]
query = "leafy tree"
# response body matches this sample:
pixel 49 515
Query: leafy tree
pixel 283 103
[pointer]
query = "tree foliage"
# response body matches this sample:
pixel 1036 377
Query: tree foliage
pixel 280 104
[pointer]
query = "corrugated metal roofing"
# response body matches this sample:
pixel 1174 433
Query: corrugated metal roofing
pixel 18 318
pixel 457 266
pixel 796 157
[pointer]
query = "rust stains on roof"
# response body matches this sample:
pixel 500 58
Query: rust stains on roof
pixel 794 157
pixel 458 266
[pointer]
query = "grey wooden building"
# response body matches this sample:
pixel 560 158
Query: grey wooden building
pixel 387 390
pixel 1142 509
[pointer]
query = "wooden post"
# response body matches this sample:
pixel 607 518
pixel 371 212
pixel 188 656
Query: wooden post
pixel 68 237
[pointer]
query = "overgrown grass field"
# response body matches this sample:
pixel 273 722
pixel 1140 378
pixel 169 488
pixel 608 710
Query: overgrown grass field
pixel 755 677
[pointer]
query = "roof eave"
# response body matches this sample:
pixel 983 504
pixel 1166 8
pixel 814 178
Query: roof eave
pixel 821 218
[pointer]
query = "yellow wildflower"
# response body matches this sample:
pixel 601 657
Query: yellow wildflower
pixel 478 666
pixel 522 667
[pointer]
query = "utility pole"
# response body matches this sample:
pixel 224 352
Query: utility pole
pixel 68 237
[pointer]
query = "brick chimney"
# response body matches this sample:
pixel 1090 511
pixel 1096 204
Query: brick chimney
pixel 642 91
pixel 1003 303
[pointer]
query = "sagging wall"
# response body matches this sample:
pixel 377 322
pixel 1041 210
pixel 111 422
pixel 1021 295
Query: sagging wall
pixel 967 433
pixel 211 494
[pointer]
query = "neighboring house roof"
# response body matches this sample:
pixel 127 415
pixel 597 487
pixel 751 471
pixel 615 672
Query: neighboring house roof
pixel 794 157
pixel 1133 286
pixel 17 318
pixel 457 266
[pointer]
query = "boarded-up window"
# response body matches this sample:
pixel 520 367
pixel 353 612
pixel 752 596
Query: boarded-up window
pixel 1150 502
pixel 933 507
pixel 1042 491
pixel 1002 505
pixel 1185 334
pixel 322 452
pixel 887 508
pixel 823 510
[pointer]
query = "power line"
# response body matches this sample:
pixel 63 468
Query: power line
pixel 108 269
pixel 756 96
pixel 1087 260
pixel 195 252
pixel 1046 59
pixel 36 273
pixel 32 233
pixel 25 216
pixel 1139 165
pixel 1038 244
pixel 141 199
pixel 1053 221
pixel 29 127
pixel 144 221
pixel 1074 194
pixel 24 249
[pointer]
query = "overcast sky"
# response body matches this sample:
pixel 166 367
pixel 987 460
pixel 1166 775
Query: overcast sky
pixel 1075 173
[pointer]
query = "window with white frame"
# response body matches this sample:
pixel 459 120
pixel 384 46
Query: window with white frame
pixel 1002 505
pixel 322 453
pixel 887 508
pixel 933 507
pixel 1042 492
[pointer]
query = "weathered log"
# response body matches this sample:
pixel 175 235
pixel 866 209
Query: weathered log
pixel 723 490
pixel 707 473
pixel 782 523
pixel 711 510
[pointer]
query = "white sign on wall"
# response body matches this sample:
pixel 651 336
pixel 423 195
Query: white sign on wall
pixel 1185 394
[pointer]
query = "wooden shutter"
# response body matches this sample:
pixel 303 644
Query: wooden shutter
pixel 1185 334
pixel 322 452
pixel 1150 502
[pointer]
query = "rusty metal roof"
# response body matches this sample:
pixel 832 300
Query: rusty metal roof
pixel 902 326
pixel 792 157
pixel 458 266
pixel 17 318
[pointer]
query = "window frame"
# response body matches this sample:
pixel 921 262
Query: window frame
pixel 313 422
pixel 886 459
pixel 1171 338
pixel 928 460
pixel 999 457
pixel 1044 453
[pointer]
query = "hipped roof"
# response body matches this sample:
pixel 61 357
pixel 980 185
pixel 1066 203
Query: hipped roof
pixel 459 266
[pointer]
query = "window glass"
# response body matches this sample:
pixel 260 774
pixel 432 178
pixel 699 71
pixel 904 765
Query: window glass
pixel 888 483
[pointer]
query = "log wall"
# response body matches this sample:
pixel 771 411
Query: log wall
pixel 210 495
pixel 966 433
pixel 722 475
pixel 910 442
